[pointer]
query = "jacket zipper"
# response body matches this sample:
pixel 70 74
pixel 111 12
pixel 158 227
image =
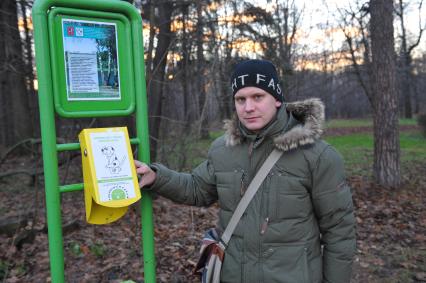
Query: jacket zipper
pixel 265 212
pixel 243 187
pixel 250 148
pixel 264 226
pixel 250 175
pixel 265 222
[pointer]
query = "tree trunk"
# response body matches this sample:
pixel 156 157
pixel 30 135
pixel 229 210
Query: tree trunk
pixel 285 52
pixel 386 133
pixel 148 61
pixel 204 131
pixel 226 102
pixel 15 121
pixel 155 86
pixel 32 102
pixel 406 85
pixel 407 76
pixel 405 65
pixel 184 73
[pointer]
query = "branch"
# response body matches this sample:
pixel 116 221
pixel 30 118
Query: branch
pixel 358 74
pixel 15 146
pixel 349 41
pixel 421 29
pixel 18 172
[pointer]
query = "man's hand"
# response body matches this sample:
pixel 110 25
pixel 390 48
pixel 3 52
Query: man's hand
pixel 147 175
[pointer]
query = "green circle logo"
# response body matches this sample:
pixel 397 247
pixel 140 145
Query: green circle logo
pixel 118 194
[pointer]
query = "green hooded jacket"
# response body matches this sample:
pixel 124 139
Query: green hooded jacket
pixel 299 227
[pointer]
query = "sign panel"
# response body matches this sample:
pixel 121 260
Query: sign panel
pixel 92 63
pixel 91 60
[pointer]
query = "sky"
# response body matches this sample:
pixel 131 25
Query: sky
pixel 319 31
pixel 321 12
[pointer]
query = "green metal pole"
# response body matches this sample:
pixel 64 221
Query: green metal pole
pixel 148 244
pixel 48 135
pixel 47 120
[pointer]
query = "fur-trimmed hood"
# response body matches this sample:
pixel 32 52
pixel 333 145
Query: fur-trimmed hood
pixel 306 127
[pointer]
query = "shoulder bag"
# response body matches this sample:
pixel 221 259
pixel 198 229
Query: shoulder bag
pixel 213 247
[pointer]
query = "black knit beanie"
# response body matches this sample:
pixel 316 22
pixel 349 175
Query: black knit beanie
pixel 258 73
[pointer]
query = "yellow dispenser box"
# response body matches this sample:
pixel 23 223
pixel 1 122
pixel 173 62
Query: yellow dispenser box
pixel 110 180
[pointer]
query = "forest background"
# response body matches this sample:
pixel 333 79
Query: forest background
pixel 365 59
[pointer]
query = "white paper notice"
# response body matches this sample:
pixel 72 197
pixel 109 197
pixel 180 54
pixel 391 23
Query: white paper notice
pixel 112 166
pixel 83 73
pixel 91 60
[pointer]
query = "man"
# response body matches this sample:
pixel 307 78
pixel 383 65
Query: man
pixel 299 227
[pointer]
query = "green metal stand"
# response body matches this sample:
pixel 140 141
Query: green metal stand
pixel 41 9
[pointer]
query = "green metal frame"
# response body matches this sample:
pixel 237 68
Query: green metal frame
pixel 65 108
pixel 41 10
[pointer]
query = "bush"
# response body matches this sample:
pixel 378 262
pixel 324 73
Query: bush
pixel 421 120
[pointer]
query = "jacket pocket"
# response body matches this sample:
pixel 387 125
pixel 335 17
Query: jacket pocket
pixel 290 199
pixel 292 206
pixel 285 264
pixel 228 189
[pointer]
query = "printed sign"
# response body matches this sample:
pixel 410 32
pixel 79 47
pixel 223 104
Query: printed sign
pixel 113 172
pixel 83 73
pixel 91 60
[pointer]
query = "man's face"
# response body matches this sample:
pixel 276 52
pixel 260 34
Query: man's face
pixel 255 107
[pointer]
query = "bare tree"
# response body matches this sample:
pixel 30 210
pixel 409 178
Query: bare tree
pixel 201 90
pixel 406 57
pixel 287 16
pixel 151 17
pixel 16 124
pixel 225 100
pixel 185 52
pixel 25 7
pixel 275 31
pixel 156 79
pixel 355 28
pixel 386 133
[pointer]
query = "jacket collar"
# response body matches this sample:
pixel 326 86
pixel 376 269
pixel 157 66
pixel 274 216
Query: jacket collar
pixel 304 126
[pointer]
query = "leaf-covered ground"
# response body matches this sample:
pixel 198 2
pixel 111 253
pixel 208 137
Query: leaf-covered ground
pixel 391 229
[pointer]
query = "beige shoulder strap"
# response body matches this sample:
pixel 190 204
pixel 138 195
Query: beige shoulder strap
pixel 249 194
